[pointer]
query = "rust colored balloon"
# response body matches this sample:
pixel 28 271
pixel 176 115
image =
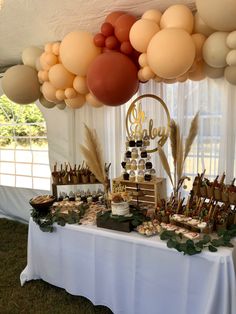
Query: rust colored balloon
pixel 99 40
pixel 112 78
pixel 112 42
pixel 123 25
pixel 107 29
pixel 126 48
pixel 112 17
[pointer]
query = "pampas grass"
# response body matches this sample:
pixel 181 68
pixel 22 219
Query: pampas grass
pixel 179 151
pixel 93 155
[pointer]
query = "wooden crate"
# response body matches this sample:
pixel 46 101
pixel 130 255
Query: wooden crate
pixel 151 190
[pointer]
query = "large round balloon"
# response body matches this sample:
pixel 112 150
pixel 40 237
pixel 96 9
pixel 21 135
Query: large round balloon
pixel 60 77
pixel 218 14
pixel 77 51
pixel 141 33
pixel 215 50
pixel 20 84
pixel 30 55
pixel 171 53
pixel 178 16
pixel 112 78
pixel 112 17
pixel 123 25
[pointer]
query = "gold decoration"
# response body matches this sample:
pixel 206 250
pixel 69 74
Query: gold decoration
pixel 136 117
pixel 117 187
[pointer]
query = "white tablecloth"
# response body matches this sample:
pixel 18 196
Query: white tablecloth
pixel 131 274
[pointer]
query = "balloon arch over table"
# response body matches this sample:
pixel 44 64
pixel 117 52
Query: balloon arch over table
pixel 106 68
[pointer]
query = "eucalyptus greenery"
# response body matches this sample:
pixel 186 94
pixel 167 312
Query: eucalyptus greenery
pixel 190 247
pixel 45 220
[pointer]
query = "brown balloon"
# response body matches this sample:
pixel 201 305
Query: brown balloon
pixel 123 25
pixel 112 17
pixel 112 78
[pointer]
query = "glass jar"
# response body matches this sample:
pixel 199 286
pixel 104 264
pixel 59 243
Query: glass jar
pixel 128 154
pixel 153 173
pixel 133 164
pixel 134 153
pixel 132 175
pixel 141 164
pixel 146 141
pixel 128 165
pixel 148 165
pixel 147 176
pixel 140 176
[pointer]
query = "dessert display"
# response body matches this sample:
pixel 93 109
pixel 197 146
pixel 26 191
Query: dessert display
pixel 90 216
pixel 149 228
pixel 65 206
pixel 120 203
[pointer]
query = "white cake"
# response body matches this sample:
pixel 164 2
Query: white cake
pixel 120 209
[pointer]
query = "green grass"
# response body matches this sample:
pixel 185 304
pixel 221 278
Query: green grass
pixel 37 296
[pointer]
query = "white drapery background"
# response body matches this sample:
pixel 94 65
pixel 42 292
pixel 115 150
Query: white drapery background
pixel 213 150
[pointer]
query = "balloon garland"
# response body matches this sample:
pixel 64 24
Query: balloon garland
pixel 106 68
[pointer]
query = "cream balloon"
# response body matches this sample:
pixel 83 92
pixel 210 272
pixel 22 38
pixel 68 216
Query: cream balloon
pixel 214 73
pixel 199 74
pixel 152 15
pixel 231 40
pixel 70 93
pixel 60 77
pixel 142 60
pixel 30 56
pixel 38 66
pixel 230 74
pixel 178 16
pixel 20 84
pixel 231 57
pixel 218 14
pixel 215 50
pixel 141 33
pixel 77 102
pixel 141 77
pixel 77 51
pixel 171 53
pixel 45 103
pixel 61 106
pixel 198 40
pixel 80 85
pixel 93 101
pixel 201 27
pixel 60 94
pixel 147 73
pixel 49 92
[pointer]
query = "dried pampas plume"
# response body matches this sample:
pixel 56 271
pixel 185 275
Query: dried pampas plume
pixel 93 155
pixel 192 134
pixel 164 162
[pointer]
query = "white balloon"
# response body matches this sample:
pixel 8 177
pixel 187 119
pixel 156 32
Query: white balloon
pixel 215 50
pixel 30 56
pixel 231 57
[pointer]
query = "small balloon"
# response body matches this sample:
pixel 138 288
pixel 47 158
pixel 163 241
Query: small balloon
pixel 61 106
pixel 30 56
pixel 48 47
pixel 60 94
pixel 45 103
pixel 76 103
pixel 123 25
pixel 80 85
pixel 142 60
pixel 112 17
pixel 70 93
pixel 107 29
pixel 126 48
pixel 230 74
pixel 99 40
pixel 111 42
pixel 56 48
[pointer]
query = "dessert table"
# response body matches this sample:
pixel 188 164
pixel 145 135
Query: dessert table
pixel 131 274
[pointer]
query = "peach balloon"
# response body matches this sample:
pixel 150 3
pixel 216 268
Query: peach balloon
pixel 43 62
pixel 45 103
pixel 152 15
pixel 231 57
pixel 40 77
pixel 60 77
pixel 178 16
pixel 70 93
pixel 49 92
pixel 215 50
pixel 171 53
pixel 30 55
pixel 51 59
pixel 76 103
pixel 48 47
pixel 198 40
pixel 214 73
pixel 20 84
pixel 231 40
pixel 60 94
pixel 142 60
pixel 201 27
pixel 199 74
pixel 44 76
pixel 218 14
pixel 141 33
pixel 56 48
pixel 230 74
pixel 77 51
pixel 80 85
pixel 93 101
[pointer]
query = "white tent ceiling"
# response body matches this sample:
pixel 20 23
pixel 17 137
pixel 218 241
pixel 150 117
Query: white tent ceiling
pixel 29 22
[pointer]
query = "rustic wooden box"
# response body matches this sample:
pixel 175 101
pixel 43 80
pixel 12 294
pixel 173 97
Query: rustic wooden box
pixel 113 224
pixel 151 191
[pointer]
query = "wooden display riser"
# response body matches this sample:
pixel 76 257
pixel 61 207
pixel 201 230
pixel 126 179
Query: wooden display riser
pixel 152 190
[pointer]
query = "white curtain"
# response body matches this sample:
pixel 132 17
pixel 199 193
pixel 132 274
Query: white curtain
pixel 213 150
